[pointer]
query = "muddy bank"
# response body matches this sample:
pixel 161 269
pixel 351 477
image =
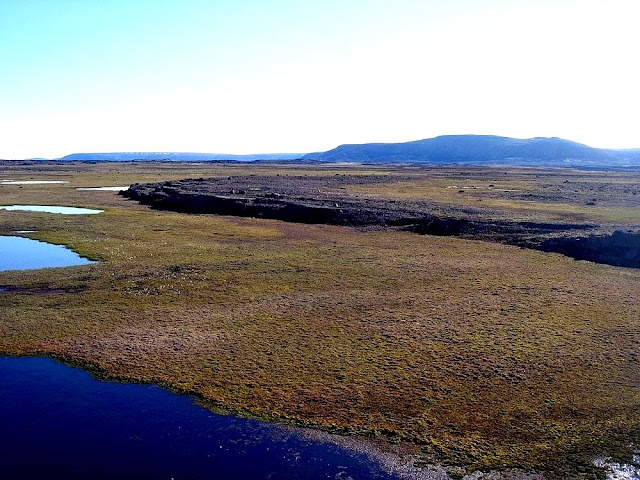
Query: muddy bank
pixel 326 200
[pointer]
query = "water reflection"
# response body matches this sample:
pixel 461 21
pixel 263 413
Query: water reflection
pixel 51 209
pixel 19 253
pixel 62 423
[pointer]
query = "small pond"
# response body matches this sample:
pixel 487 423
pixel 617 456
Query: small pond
pixel 59 422
pixel 51 209
pixel 19 253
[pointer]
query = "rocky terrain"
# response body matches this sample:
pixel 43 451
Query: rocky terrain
pixel 328 199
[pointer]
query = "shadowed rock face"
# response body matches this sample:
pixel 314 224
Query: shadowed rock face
pixel 321 200
pixel 286 209
pixel 620 248
pixel 299 199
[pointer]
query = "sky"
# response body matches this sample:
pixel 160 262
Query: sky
pixel 250 76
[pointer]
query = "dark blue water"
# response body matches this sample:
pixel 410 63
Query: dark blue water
pixel 18 253
pixel 57 422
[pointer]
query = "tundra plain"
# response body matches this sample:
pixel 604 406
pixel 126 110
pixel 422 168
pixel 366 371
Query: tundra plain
pixel 469 353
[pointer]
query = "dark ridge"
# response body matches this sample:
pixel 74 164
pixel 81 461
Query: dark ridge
pixel 300 200
pixel 621 249
pixel 503 231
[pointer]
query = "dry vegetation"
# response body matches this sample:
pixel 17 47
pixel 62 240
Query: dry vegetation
pixel 480 354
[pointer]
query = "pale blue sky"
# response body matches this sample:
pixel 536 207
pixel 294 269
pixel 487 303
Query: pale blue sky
pixel 251 76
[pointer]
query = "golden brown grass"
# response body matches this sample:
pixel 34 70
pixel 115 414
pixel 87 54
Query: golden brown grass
pixel 483 355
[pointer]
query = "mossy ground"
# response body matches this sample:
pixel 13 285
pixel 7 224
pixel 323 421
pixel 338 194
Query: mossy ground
pixel 484 355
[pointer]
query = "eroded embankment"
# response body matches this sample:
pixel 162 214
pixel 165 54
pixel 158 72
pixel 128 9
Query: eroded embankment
pixel 319 200
pixel 620 248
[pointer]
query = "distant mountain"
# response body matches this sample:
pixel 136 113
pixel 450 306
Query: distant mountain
pixel 448 149
pixel 176 156
pixel 482 150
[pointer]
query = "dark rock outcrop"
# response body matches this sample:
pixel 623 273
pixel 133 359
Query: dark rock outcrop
pixel 620 248
pixel 318 200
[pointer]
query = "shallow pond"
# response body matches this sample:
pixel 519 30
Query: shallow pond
pixel 51 209
pixel 19 253
pixel 59 422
